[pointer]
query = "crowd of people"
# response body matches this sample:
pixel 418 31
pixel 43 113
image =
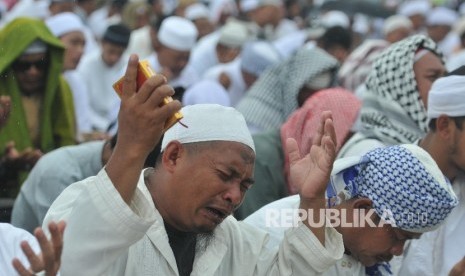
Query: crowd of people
pixel 314 140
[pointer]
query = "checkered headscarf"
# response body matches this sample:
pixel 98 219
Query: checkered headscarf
pixel 273 97
pixel 392 109
pixel 403 182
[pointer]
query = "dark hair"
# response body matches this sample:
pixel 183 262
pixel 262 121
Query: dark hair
pixel 336 36
pixel 118 34
pixel 457 120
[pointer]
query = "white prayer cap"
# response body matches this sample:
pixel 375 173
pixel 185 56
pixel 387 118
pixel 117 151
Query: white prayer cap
pixel 209 122
pixel 257 56
pixel 206 92
pixel 178 33
pixel 197 11
pixel 249 5
pixel 335 18
pixel 441 16
pixel 447 97
pixel 36 47
pixel 233 34
pixel 395 22
pixel 410 8
pixel 63 23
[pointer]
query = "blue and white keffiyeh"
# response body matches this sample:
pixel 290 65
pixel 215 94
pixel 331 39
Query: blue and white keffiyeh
pixel 403 182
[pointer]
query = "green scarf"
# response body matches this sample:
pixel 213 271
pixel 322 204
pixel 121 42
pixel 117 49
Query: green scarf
pixel 57 121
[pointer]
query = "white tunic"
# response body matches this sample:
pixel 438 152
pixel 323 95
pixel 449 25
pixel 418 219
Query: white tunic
pixel 81 101
pixel 103 100
pixel 237 88
pixel 105 236
pixel 10 241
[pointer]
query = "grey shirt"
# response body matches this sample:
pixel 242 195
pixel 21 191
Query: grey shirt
pixel 50 176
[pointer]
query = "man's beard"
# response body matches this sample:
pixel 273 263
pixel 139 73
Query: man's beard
pixel 203 241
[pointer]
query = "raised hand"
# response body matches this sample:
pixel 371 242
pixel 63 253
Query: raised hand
pixel 15 160
pixel 49 260
pixel 141 122
pixel 458 269
pixel 311 173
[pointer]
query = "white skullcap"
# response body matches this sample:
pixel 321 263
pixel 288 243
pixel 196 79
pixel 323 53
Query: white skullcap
pixel 36 47
pixel 335 18
pixel 441 16
pixel 178 33
pixel 233 34
pixel 395 22
pixel 410 8
pixel 197 11
pixel 206 92
pixel 257 56
pixel 249 5
pixel 209 122
pixel 63 23
pixel 447 97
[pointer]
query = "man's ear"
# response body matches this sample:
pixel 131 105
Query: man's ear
pixel 443 126
pixel 173 151
pixel 362 203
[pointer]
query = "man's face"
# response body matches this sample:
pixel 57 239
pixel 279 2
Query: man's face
pixel 74 48
pixel 371 245
pixel 428 69
pixel 264 15
pixel 211 182
pixel 172 59
pixel 249 78
pixel 226 54
pixel 111 53
pixel 457 146
pixel 204 27
pixel 438 32
pixel 31 72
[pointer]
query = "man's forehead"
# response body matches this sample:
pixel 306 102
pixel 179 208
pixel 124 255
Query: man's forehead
pixel 32 57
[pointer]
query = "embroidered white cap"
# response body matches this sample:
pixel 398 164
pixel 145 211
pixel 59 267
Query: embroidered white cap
pixel 178 33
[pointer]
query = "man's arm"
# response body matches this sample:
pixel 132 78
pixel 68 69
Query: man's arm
pixel 311 173
pixel 141 121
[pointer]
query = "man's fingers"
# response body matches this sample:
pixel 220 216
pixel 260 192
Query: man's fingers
pixel 157 96
pixel 22 271
pixel 292 150
pixel 130 77
pixel 46 248
pixel 56 232
pixel 330 131
pixel 150 87
pixel 34 260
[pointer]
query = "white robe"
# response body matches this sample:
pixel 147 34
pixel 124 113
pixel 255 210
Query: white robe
pixel 237 88
pixel 203 56
pixel 105 236
pixel 140 42
pixel 81 101
pixel 103 100
pixel 10 240
pixel 436 252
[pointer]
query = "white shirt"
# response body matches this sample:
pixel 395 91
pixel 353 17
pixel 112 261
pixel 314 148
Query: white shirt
pixel 10 247
pixel 203 56
pixel 237 88
pixel 140 42
pixel 105 236
pixel 103 100
pixel 81 101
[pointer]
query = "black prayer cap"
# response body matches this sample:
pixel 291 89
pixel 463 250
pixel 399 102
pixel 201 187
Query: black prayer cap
pixel 117 34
